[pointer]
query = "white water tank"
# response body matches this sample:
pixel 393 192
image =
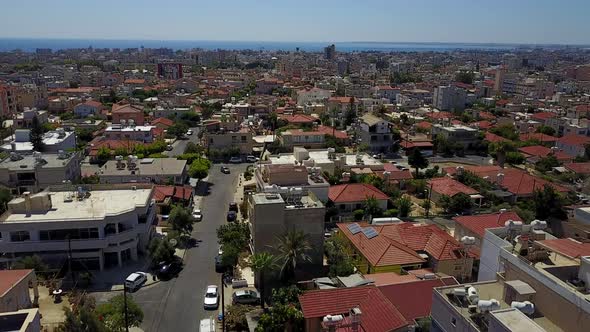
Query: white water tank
pixel 472 295
pixel 468 240
pixel 526 307
pixel 488 305
pixel 513 225
pixel 332 319
pixel 539 224
pixel 459 292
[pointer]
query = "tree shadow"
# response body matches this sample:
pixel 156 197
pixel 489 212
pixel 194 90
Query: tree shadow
pixel 203 188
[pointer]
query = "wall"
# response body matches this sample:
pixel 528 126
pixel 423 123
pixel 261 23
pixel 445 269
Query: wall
pixel 446 318
pixel 311 222
pixel 449 267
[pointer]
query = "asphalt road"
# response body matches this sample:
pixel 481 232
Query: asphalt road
pixel 177 305
pixel 180 144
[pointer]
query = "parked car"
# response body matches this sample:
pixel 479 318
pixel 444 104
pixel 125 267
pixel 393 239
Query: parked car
pixel 168 269
pixel 252 159
pixel 225 170
pixel 169 147
pixel 219 267
pixel 211 301
pixel 135 280
pixel 189 132
pixel 232 216
pixel 233 206
pixel 245 297
pixel 197 215
pixel 235 160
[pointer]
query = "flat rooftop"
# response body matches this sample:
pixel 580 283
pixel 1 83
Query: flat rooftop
pixel 146 167
pixel 27 163
pixel 492 290
pixel 301 202
pixel 321 157
pixel 100 204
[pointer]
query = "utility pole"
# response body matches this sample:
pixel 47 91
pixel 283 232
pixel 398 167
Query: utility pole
pixel 429 201
pixel 70 259
pixel 125 304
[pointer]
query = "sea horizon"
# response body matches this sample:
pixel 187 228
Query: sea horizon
pixel 31 44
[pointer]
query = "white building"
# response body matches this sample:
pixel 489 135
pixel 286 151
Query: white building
pixel 132 133
pixel 104 227
pixel 449 97
pixel 313 95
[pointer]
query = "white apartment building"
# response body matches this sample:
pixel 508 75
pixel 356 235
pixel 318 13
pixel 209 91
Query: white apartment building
pixel 133 133
pixel 105 226
pixel 449 97
pixel 375 132
pixel 313 95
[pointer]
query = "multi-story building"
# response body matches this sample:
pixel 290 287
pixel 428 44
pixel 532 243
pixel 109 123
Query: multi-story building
pixel 375 132
pixel 8 100
pixel 32 96
pixel 99 227
pixel 129 133
pixel 25 119
pixel 312 95
pixel 147 170
pixel 299 137
pixel 528 281
pixel 273 213
pixel 330 52
pixel 449 97
pixel 170 71
pixel 282 177
pixel 56 141
pixel 88 108
pixel 220 140
pixel 127 114
pixel 37 171
pixel 466 136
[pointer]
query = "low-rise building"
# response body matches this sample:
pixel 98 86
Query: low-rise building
pixel 127 114
pixel 88 108
pixel 221 140
pixel 349 197
pixel 25 119
pixel 37 171
pixel 271 178
pixel 298 137
pixel 14 290
pixel 476 225
pixel 130 133
pixel 375 132
pixel 103 226
pixel 24 320
pixel 466 136
pixel 146 170
pixel 445 186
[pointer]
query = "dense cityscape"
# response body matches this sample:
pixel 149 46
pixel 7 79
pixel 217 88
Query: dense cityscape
pixel 195 189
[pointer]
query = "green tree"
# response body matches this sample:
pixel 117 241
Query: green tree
pixel 404 206
pixel 103 154
pixel 37 134
pixel 178 129
pixel 31 262
pixel 548 203
pixel 181 220
pixel 546 130
pixel 499 150
pixel 515 158
pixel 507 131
pixel 199 168
pixel 293 247
pixel 338 259
pixel 465 77
pixel 5 197
pixel 113 313
pixel 456 204
pixel 193 148
pixel 547 163
pixel 83 320
pixel 161 250
pixel 417 160
pixel 262 263
pixel 235 317
pixel 372 207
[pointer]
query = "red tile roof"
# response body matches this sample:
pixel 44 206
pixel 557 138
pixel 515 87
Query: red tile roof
pixel 341 100
pixel 574 140
pixel 478 223
pixel 416 144
pixel 125 108
pixel 414 299
pixel 541 151
pixel 538 136
pixel 580 168
pixel 424 125
pixel 378 314
pixel 487 115
pixel 450 187
pixel 543 115
pixel 9 278
pixel 439 115
pixel 484 124
pixel 339 134
pixel 177 192
pixel 567 247
pixel 354 192
pixel 583 108
pixel 390 278
pixel 163 121
pixel 491 137
pixel 298 118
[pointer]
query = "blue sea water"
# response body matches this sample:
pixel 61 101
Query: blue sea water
pixel 29 45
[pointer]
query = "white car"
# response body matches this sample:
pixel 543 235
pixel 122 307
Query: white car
pixel 197 215
pixel 252 159
pixel 211 297
pixel 190 132
pixel 135 280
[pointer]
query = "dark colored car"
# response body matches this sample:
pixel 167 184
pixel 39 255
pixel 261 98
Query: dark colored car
pixel 245 297
pixel 168 270
pixel 232 215
pixel 219 267
pixel 225 170
pixel 233 206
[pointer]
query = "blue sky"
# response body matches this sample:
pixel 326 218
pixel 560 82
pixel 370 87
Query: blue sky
pixel 502 21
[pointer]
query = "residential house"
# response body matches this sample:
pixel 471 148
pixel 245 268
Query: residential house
pixel 299 137
pixel 312 96
pixel 375 132
pixel 446 186
pixel 14 289
pixel 25 119
pixel 271 177
pixel 165 196
pixel 573 145
pixel 121 132
pixel 467 137
pixel 147 170
pixel 353 196
pixel 222 139
pixel 127 114
pixel 88 108
pixel 534 153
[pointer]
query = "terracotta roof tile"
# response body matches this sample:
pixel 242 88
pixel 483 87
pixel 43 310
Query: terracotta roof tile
pixel 478 223
pixel 354 192
pixel 450 187
pixel 567 247
pixel 9 278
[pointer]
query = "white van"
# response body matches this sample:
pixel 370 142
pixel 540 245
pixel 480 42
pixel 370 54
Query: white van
pixel 207 325
pixel 135 280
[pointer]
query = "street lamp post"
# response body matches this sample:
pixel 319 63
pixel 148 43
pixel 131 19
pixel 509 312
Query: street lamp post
pixel 125 305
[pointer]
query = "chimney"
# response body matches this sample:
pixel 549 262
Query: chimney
pixel 28 204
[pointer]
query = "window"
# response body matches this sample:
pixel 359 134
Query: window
pixel 234 138
pixel 458 268
pixel 19 236
pixel 244 138
pixel 342 206
pixel 453 321
pixel 64 234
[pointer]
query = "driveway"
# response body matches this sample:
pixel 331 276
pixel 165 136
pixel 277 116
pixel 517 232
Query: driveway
pixel 177 305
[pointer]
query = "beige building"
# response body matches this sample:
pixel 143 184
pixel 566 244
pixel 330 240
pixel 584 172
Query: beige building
pixel 273 214
pixel 229 139
pixel 36 172
pixel 282 177
pixel 147 170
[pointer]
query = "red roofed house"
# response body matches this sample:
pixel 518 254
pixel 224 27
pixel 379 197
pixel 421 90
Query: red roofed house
pixel 166 195
pixel 127 112
pixel 88 108
pixel 14 290
pixel 352 196
pixel 535 152
pixel 446 186
pixel 476 225
pixel 544 139
pixel 573 145
pixel 342 104
pixel 162 123
pixel 578 168
pixel 543 116
pixel 570 248
pixel 299 119
pixel 375 312
pixel 407 246
pixel 491 137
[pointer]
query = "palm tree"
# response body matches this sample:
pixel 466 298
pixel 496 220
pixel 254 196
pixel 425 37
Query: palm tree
pixel 293 247
pixel 372 208
pixel 261 263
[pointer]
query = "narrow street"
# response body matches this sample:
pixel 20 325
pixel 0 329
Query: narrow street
pixel 180 144
pixel 177 305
